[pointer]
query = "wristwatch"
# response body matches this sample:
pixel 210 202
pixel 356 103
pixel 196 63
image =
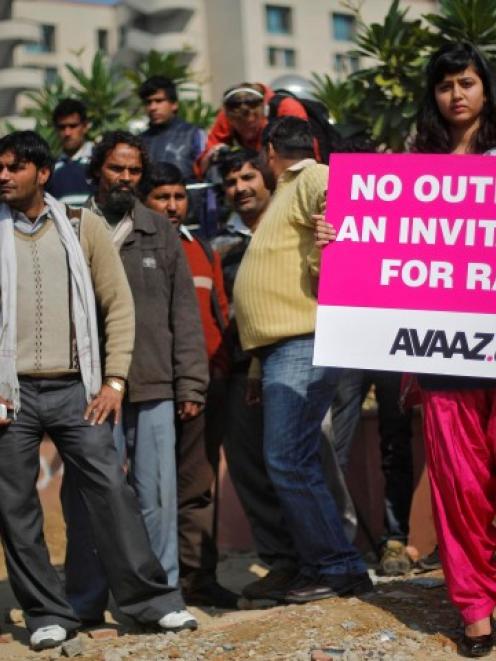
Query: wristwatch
pixel 116 384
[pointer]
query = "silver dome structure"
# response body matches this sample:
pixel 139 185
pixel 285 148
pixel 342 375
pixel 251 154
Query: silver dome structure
pixel 297 85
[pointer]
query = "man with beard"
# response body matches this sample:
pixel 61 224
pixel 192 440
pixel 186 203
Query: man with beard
pixel 168 373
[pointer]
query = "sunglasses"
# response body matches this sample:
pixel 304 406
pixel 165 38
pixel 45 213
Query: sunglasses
pixel 233 105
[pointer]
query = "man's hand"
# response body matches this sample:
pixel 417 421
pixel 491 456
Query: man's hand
pixel 324 232
pixel 5 421
pixel 188 410
pixel 107 401
pixel 253 394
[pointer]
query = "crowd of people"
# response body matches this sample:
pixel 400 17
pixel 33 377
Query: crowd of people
pixel 141 346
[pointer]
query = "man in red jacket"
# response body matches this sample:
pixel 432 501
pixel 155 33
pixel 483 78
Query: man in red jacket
pixel 242 120
pixel 199 439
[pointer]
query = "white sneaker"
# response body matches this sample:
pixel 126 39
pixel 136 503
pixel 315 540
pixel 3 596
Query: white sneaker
pixel 177 621
pixel 46 637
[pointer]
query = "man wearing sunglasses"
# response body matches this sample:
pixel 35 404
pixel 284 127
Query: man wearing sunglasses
pixel 242 119
pixel 69 183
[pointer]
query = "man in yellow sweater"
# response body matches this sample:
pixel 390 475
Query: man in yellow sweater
pixel 274 296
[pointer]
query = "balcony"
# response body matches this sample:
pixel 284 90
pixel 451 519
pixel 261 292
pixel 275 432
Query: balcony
pixel 19 79
pixel 18 31
pixel 14 80
pixel 155 6
pixel 140 41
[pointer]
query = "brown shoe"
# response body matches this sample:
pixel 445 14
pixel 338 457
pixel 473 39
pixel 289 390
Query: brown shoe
pixel 395 561
pixel 275 582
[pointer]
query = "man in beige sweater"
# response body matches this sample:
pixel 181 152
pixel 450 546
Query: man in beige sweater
pixel 50 382
pixel 275 303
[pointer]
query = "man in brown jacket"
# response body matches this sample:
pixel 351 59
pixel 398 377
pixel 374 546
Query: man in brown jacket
pixel 51 382
pixel 168 372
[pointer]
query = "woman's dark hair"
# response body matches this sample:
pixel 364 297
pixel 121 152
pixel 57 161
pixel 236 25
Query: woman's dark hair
pixel 161 174
pixel 433 135
pixel 109 141
pixel 28 146
pixel 234 159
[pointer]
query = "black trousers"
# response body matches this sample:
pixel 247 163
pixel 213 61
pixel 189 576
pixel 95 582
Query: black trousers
pixel 243 445
pixel 136 578
pixel 195 504
pixel 395 431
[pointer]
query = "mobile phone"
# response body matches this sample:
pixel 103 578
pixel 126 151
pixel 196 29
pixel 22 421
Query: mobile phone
pixel 6 413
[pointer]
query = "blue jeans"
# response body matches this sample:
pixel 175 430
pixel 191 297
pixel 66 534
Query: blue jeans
pixel 148 431
pixel 147 434
pixel 296 396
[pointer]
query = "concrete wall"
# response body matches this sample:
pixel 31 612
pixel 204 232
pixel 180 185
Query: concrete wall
pixel 76 27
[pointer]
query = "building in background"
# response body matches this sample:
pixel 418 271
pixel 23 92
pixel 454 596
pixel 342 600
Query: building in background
pixel 71 33
pixel 226 41
pixel 267 39
pixel 14 32
pixel 253 40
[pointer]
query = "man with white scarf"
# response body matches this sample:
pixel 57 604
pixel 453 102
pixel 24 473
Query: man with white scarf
pixel 51 382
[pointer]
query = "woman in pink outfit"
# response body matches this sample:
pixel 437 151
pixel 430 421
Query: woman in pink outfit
pixel 458 116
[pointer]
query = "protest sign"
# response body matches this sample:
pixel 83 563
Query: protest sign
pixel 410 283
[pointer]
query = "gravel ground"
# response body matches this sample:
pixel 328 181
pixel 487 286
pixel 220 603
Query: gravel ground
pixel 402 619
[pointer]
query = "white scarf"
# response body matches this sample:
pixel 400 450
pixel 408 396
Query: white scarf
pixel 83 305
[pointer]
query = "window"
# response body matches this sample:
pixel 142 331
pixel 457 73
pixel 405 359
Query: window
pixel 51 75
pixel 102 40
pixel 122 36
pixel 281 57
pixel 343 27
pixel 346 64
pixel 278 19
pixel 47 43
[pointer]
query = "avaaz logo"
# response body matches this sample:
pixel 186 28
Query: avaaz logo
pixel 433 342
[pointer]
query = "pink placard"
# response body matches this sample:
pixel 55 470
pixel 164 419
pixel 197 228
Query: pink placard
pixel 415 232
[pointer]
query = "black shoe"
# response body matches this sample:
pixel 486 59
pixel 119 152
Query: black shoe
pixel 94 623
pixel 326 586
pixel 477 646
pixel 211 594
pixel 311 590
pixel 360 583
pixel 430 562
pixel 276 581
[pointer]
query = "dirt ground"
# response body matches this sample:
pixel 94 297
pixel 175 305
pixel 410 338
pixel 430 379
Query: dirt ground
pixel 403 619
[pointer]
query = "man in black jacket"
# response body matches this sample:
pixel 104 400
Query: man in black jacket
pixel 169 139
pixel 168 373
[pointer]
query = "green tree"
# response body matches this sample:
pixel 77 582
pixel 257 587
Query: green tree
pixel 383 98
pixel 43 104
pixel 341 98
pixel 392 87
pixel 105 92
pixel 466 20
pixel 197 111
pixel 159 64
